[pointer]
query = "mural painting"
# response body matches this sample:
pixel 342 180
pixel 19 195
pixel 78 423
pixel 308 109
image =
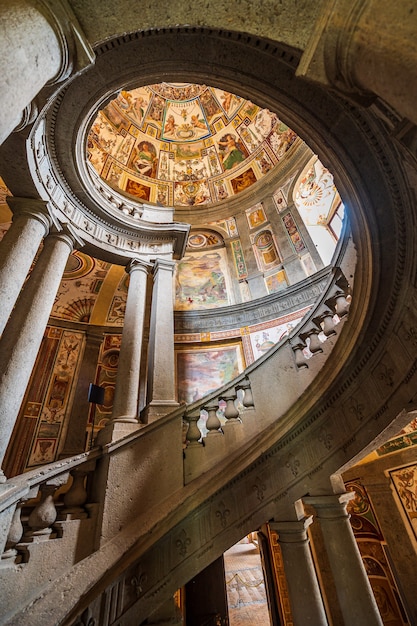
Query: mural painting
pixel 202 280
pixel 280 200
pixel 46 405
pixel 239 259
pixel 204 143
pixel 293 233
pixel 106 373
pixel 405 483
pixel 262 337
pixel 265 250
pixel 243 181
pixel 137 189
pixel 79 288
pixel 406 437
pixel 371 545
pixel 200 371
pixel 276 282
pixel 256 215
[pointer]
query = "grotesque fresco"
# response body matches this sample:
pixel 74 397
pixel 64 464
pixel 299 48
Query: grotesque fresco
pixel 405 482
pixel 185 144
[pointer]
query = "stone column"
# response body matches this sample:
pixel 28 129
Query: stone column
pixel 161 363
pixel 354 591
pixel 23 333
pixel 303 588
pixel 40 43
pixel 31 222
pixel 126 397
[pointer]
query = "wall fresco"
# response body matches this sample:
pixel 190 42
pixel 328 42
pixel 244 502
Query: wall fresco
pixel 239 259
pixel 202 280
pixel 264 337
pixel 200 371
pixel 405 483
pixel 81 282
pixel 265 250
pixel 293 233
pixel 372 547
pixel 276 282
pixel 185 144
pixel 256 215
pixel 42 419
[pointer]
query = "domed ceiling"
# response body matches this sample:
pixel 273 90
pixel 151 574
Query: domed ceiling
pixel 182 144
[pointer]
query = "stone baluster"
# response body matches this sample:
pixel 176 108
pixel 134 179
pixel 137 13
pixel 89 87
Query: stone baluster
pixel 76 495
pixel 303 588
pixel 247 393
pixel 31 223
pixel 341 304
pixel 213 423
pixel 326 323
pixel 300 359
pixel 314 343
pixel 193 432
pixel 231 413
pixel 14 535
pixel 44 514
pixel 23 333
pixel 353 588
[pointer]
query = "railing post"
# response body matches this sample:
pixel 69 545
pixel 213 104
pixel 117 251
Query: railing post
pixel 213 423
pixel 231 413
pixel 193 433
pixel 247 393
pixel 44 514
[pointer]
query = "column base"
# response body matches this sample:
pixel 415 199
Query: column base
pixel 157 409
pixel 115 430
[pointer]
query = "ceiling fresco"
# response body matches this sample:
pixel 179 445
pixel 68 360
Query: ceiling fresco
pixel 180 144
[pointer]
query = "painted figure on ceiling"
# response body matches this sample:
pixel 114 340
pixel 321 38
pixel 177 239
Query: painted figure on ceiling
pixel 231 151
pixel 145 159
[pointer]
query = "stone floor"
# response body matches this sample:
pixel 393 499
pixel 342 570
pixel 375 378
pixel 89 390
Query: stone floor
pixel 245 586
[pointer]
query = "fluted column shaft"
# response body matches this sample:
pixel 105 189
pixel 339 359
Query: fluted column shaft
pixel 23 333
pixel 125 406
pixel 18 248
pixel 161 370
pixel 354 591
pixel 303 588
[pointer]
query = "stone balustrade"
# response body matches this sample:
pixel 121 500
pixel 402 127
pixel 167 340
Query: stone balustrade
pixel 30 511
pixel 223 420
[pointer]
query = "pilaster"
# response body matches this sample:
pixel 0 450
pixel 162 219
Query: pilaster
pixel 162 395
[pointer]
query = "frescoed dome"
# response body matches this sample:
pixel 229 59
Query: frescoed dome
pixel 182 144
